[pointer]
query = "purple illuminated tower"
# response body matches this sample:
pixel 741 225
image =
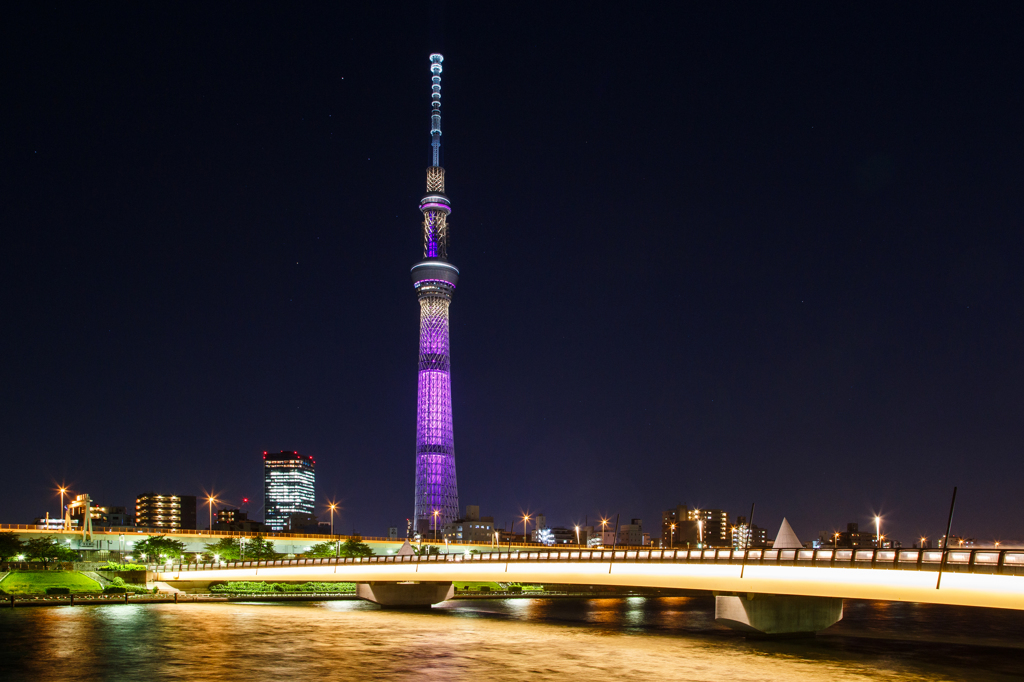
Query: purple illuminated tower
pixel 437 494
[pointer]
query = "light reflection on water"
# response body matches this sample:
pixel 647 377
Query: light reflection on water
pixel 546 639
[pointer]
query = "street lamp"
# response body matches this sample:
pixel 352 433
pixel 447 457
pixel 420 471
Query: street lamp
pixel 526 519
pixel 577 535
pixel 332 507
pixel 835 541
pixel 210 499
pixel 604 529
pixel 878 531
pixel 672 535
pixel 436 513
pixel 63 517
pixel 700 533
pixel 923 538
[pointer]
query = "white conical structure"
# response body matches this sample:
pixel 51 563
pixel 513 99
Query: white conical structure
pixel 405 549
pixel 787 539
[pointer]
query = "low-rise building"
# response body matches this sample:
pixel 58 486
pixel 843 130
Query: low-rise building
pixel 102 516
pixel 238 521
pixel 632 534
pixel 602 538
pixel 744 536
pixel 473 528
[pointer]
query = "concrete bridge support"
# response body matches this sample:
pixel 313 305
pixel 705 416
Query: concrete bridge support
pixel 778 614
pixel 407 594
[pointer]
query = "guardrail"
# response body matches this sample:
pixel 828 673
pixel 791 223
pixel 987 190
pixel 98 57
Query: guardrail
pixel 1001 562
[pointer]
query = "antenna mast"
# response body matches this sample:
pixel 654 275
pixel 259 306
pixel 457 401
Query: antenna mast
pixel 435 105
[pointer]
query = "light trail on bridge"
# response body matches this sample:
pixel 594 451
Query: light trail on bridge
pixel 970 578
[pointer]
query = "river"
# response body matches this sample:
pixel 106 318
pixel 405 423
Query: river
pixel 635 638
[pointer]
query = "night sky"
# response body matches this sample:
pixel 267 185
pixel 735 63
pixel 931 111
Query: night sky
pixel 708 258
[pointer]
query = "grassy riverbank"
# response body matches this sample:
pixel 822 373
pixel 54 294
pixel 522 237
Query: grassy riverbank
pixel 37 582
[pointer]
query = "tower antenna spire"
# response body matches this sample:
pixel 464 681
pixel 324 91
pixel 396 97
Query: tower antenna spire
pixel 435 105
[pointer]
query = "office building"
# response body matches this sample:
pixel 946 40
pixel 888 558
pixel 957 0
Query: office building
pixel 288 487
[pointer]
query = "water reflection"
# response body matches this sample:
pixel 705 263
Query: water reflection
pixel 588 639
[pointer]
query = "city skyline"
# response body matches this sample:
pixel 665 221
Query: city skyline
pixel 740 266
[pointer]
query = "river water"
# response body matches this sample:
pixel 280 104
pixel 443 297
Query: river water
pixel 635 638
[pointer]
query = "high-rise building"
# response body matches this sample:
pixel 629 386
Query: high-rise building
pixel 288 487
pixel 170 512
pixel 434 278
pixel 714 526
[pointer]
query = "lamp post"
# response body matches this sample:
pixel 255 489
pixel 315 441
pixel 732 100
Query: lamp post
pixel 332 507
pixel 63 517
pixel 436 513
pixel 604 529
pixel 210 499
pixel 921 546
pixel 835 541
pixel 526 519
pixel 577 535
pixel 878 532
pixel 700 533
pixel 672 536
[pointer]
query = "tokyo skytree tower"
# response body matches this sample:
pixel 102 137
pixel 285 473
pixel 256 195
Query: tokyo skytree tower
pixel 437 494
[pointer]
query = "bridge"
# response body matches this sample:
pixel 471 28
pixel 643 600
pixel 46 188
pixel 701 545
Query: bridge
pixel 768 591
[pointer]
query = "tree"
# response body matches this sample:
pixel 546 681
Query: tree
pixel 259 548
pixel 321 550
pixel 354 547
pixel 47 548
pixel 424 550
pixel 226 549
pixel 158 548
pixel 10 545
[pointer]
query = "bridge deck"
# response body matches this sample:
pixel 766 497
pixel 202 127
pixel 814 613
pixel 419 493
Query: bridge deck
pixel 970 577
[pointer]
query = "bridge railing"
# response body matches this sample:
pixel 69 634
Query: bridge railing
pixel 318 537
pixel 1000 562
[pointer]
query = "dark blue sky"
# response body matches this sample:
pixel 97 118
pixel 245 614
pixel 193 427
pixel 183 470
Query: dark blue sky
pixel 712 258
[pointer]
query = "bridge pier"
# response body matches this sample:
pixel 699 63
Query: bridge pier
pixel 778 614
pixel 405 595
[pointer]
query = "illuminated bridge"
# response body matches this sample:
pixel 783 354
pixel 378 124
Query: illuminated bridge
pixel 770 591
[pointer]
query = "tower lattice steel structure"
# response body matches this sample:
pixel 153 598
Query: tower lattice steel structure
pixel 437 493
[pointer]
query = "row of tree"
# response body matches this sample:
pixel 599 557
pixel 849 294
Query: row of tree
pixel 46 548
pixel 160 548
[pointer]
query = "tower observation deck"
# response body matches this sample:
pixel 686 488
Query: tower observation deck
pixel 434 278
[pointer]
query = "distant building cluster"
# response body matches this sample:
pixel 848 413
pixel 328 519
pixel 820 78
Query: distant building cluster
pixel 289 506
